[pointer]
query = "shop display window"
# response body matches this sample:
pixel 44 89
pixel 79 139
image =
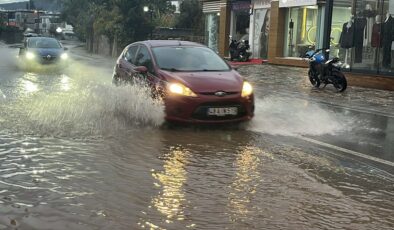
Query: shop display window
pixel 366 35
pixel 301 30
pixel 212 30
pixel 261 32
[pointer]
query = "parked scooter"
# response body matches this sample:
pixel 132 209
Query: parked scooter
pixel 240 50
pixel 326 72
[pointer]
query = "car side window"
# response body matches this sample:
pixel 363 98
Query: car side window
pixel 143 58
pixel 130 54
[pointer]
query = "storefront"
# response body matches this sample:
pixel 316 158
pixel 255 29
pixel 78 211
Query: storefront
pixel 259 27
pixel 211 12
pixel 361 34
pixel 366 40
pixel 240 20
pixel 303 26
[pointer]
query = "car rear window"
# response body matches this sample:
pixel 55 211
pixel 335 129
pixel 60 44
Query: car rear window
pixel 181 58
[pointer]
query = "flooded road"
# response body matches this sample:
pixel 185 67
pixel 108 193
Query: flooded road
pixel 79 153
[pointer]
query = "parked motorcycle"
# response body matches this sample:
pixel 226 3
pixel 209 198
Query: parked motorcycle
pixel 326 72
pixel 240 50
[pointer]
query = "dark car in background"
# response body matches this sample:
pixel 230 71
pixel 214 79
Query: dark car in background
pixel 39 52
pixel 196 85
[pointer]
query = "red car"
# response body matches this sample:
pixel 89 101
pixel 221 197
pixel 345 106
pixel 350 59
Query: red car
pixel 197 86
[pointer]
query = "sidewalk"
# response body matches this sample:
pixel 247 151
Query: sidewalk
pixel 78 51
pixel 293 82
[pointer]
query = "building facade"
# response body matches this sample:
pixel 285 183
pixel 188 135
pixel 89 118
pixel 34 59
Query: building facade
pixel 361 31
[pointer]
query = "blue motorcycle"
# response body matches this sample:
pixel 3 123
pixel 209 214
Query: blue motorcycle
pixel 325 72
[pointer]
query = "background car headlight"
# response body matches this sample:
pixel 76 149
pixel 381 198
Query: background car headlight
pixel 30 55
pixel 247 89
pixel 177 88
pixel 64 56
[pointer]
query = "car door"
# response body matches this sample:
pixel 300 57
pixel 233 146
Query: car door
pixel 144 58
pixel 126 63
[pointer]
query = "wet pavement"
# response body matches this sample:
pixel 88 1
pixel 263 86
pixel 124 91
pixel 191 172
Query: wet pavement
pixel 79 153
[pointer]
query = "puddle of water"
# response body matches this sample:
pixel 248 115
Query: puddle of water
pixel 292 117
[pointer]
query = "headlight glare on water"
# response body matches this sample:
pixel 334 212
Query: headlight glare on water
pixel 179 89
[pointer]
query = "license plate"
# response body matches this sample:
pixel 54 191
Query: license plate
pixel 220 112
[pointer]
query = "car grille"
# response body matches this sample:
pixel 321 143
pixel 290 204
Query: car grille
pixel 214 93
pixel 201 112
pixel 48 59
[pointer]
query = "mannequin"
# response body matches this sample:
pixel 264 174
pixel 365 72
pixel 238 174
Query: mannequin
pixel 376 38
pixel 346 40
pixel 387 39
pixel 369 14
pixel 360 23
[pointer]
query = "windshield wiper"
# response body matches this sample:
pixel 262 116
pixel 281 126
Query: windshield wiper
pixel 171 69
pixel 213 70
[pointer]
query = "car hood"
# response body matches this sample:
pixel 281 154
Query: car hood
pixel 207 82
pixel 47 51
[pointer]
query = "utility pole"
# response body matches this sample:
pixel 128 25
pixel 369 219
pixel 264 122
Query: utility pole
pixel 38 21
pixel 327 26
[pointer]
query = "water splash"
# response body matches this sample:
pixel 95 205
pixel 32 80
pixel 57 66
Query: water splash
pixel 2 96
pixel 96 109
pixel 292 117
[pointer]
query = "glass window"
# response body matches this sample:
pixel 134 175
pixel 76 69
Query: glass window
pixel 342 31
pixel 261 32
pixel 212 30
pixel 143 58
pixel 366 33
pixel 241 23
pixel 301 31
pixel 189 59
pixel 364 55
pixel 386 53
pixel 129 55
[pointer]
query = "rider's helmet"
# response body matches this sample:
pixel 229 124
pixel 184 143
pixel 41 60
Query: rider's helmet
pixel 319 58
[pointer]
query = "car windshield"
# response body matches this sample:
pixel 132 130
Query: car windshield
pixel 186 59
pixel 43 43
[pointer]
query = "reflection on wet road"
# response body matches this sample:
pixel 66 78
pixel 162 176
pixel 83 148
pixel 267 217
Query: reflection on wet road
pixel 78 153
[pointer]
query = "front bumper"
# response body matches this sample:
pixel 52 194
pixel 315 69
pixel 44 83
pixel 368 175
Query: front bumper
pixel 194 110
pixel 43 62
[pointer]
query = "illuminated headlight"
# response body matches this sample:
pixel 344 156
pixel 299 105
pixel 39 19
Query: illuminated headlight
pixel 30 55
pixel 247 89
pixel 180 89
pixel 64 56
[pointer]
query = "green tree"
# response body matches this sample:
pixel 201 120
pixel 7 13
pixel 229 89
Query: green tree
pixel 191 16
pixel 120 20
pixel 2 23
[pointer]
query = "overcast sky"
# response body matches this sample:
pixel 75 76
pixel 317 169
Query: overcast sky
pixel 7 1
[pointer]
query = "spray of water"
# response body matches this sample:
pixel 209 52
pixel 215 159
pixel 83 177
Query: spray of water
pixel 292 117
pixel 97 109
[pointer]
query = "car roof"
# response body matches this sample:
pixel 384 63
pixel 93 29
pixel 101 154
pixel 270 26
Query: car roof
pixel 161 43
pixel 41 37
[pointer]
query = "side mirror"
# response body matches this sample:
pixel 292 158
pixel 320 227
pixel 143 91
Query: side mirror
pixel 141 69
pixel 65 48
